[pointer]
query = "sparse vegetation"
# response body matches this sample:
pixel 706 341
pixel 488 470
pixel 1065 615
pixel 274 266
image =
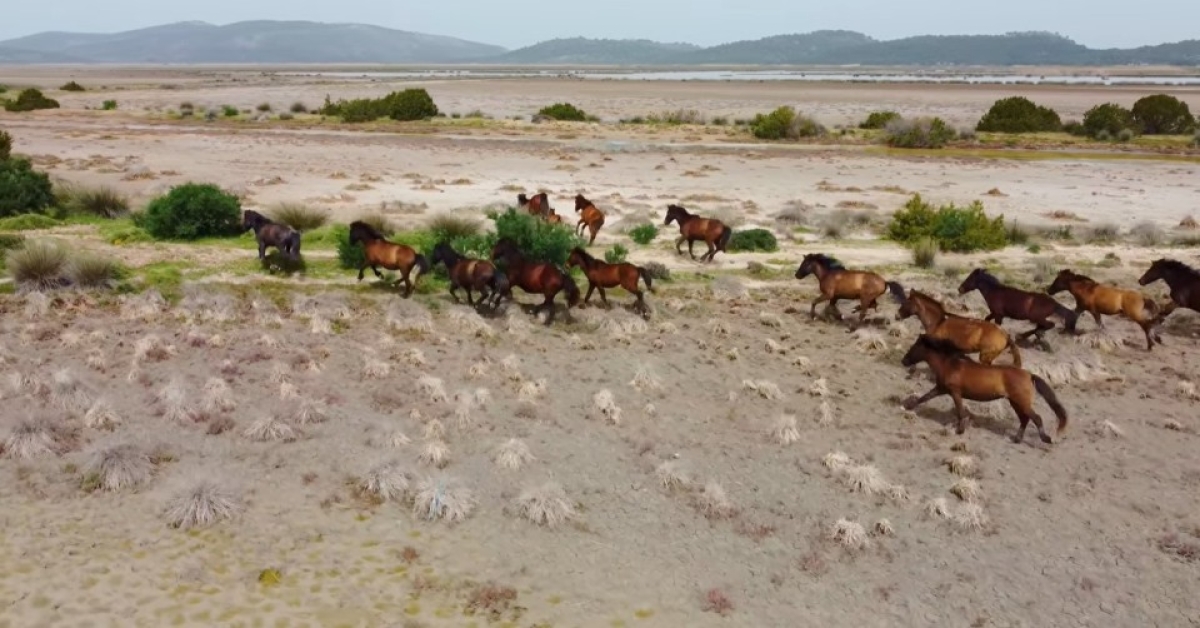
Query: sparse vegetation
pixel 38 265
pixel 102 201
pixel 616 254
pixel 299 216
pixel 1019 115
pixel 450 228
pixel 5 145
pixel 263 107
pixel 191 211
pixel 30 100
pixel 404 106
pixel 924 252
pixel 564 112
pixel 955 229
pixel 878 120
pixel 785 123
pixel 88 270
pixel 108 105
pixel 918 133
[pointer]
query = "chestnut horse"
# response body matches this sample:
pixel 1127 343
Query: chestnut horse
pixel 837 283
pixel 601 275
pixel 969 335
pixel 713 232
pixel 539 205
pixel 536 277
pixel 471 274
pixel 589 217
pixel 1096 298
pixel 379 253
pixel 960 377
pixel 1008 302
pixel 1183 281
pixel 269 233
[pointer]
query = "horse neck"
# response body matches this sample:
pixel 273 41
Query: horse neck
pixel 1178 278
pixel 821 271
pixel 929 314
pixel 938 362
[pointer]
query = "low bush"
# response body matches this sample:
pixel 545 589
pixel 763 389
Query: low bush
pixel 539 240
pixel 5 145
pixel 109 105
pixel 448 227
pixel 191 211
pixel 878 120
pixel 677 117
pixel 102 201
pixel 1147 233
pixel 924 252
pixel 87 270
pixel 298 216
pixel 38 265
pixel 564 112
pixel 229 111
pixel 28 222
pixel 298 107
pixel 264 107
pixel 616 255
pixel 644 234
pixel 1074 127
pixel 72 86
pixel 1103 122
pixel 23 190
pixel 30 100
pixel 1162 114
pixel 785 123
pixel 349 256
pixel 955 229
pixel 403 106
pixel 1018 115
pixel 753 240
pixel 918 133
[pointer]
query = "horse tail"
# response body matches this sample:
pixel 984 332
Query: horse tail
pixel 645 275
pixel 723 241
pixel 897 291
pixel 572 289
pixel 1047 393
pixel 421 263
pixel 1016 353
pixel 1070 317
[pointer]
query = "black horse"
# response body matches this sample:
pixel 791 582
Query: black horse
pixel 269 233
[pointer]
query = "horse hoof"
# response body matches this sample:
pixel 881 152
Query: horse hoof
pixel 1046 439
pixel 1016 440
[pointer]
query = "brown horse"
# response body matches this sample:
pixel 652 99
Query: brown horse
pixel 601 275
pixel 539 205
pixel 837 283
pixel 1008 302
pixel 536 277
pixel 554 218
pixel 713 232
pixel 269 233
pixel 1181 279
pixel 969 335
pixel 1098 299
pixel 472 274
pixel 378 252
pixel 960 377
pixel 589 217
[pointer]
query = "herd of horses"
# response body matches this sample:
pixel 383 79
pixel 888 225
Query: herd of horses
pixel 946 345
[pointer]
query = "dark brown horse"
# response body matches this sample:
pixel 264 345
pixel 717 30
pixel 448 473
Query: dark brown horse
pixel 960 377
pixel 711 231
pixel 269 233
pixel 1097 299
pixel 1181 279
pixel 1009 302
pixel 601 275
pixel 379 253
pixel 836 283
pixel 969 335
pixel 536 277
pixel 539 205
pixel 590 218
pixel 472 274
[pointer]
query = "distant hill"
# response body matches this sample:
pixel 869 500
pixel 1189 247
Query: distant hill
pixel 17 55
pixel 579 50
pixel 257 42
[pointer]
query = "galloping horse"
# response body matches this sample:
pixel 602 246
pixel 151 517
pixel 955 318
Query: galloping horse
pixel 963 378
pixel 837 283
pixel 471 274
pixel 969 335
pixel 601 275
pixel 378 252
pixel 1008 302
pixel 713 232
pixel 1098 299
pixel 536 277
pixel 539 205
pixel 1183 280
pixel 589 217
pixel 270 233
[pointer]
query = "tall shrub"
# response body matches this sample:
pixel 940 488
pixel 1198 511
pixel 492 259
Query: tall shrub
pixel 23 190
pixel 955 229
pixel 191 211
pixel 1108 119
pixel 1162 114
pixel 1018 115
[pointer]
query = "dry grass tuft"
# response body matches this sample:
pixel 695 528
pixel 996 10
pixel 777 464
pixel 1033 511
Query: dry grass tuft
pixel 607 406
pixel 435 430
pixel 444 499
pixel 471 323
pixel 68 393
pixel 1187 390
pixel 865 479
pixel 410 318
pixel 963 466
pixel 713 503
pixel 151 348
pixel 217 396
pixel 883 527
pixel 96 361
pixel 513 454
pixel 174 400
pixel 531 391
pixel 435 453
pixel 849 534
pixel 869 341
pixel 671 477
pixel 432 388
pixel 386 482
pixel 966 489
pixel 310 411
pixel 970 516
pixel 202 505
pixel 785 431
pixel 645 380
pixel 819 388
pixel 1101 340
pixel 34 437
pixel 376 369
pixel 101 416
pixel 837 461
pixel 546 505
pixel 825 414
pixel 118 467
pixel 765 388
pixel 937 508
pixel 770 319
pixel 269 428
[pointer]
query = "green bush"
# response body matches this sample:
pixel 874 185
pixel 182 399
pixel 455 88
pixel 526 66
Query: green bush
pixel 229 111
pixel 30 100
pixel 404 106
pixel 102 201
pixel 785 123
pixel 616 255
pixel 1074 127
pixel 191 211
pixel 264 107
pixel 1162 114
pixel 299 217
pixel 299 107
pixel 23 190
pixel 918 133
pixel 1018 115
pixel 349 256
pixel 5 145
pixel 753 240
pixel 28 222
pixel 109 105
pixel 538 240
pixel 924 252
pixel 878 120
pixel 38 265
pixel 644 234
pixel 122 235
pixel 955 229
pixel 1105 121
pixel 564 112
pixel 73 87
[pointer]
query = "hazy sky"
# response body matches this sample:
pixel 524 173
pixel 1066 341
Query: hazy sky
pixel 515 23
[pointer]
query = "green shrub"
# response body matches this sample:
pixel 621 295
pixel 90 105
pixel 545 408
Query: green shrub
pixel 539 240
pixel 878 120
pixel 404 106
pixel 1018 115
pixel 918 133
pixel 644 234
pixel 564 112
pixel 298 216
pixel 229 111
pixel 1126 135
pixel 28 222
pixel 5 145
pixel 299 107
pixel 30 100
pixel 87 270
pixel 23 190
pixel 1162 114
pixel 1017 234
pixel 924 252
pixel 264 107
pixel 73 87
pixel 186 109
pixel 128 234
pixel 109 105
pixel 1074 127
pixel 955 229
pixel 448 227
pixel 616 255
pixel 349 256
pixel 753 240
pixel 191 211
pixel 785 123
pixel 1103 122
pixel 38 265
pixel 102 201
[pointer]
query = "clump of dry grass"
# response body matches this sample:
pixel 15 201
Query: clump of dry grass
pixel 963 466
pixel 819 388
pixel 531 391
pixel 410 318
pixel 825 415
pixel 671 477
pixel 471 323
pixel 376 369
pixel 765 388
pixel 937 508
pixel 435 453
pixel 513 454
pixel 966 489
pixel 217 396
pixel 33 437
pixel 869 341
pixel 1106 429
pixel 837 461
pixel 849 534
pixel 803 363
pixel 202 505
pixel 386 482
pixel 770 319
pixel 435 430
pixel 606 405
pixel 101 416
pixel 68 393
pixel 785 431
pixel 151 348
pixel 1100 340
pixel 645 380
pixel 883 527
pixel 443 498
pixel 865 479
pixel 270 428
pixel 546 505
pixel 970 516
pixel 432 388
pixel 1187 390
pixel 119 467
pixel 713 503
pixel 174 400
pixel 310 411
pixel 142 306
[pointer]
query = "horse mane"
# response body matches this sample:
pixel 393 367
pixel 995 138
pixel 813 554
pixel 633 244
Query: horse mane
pixel 941 345
pixel 587 257
pixel 921 296
pixel 522 199
pixel 679 208
pixel 1076 276
pixel 829 262
pixel 1177 266
pixel 986 277
pixel 370 231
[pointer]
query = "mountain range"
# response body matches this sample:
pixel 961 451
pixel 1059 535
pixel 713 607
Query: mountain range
pixel 312 42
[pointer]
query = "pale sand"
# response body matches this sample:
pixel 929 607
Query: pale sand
pixel 1092 531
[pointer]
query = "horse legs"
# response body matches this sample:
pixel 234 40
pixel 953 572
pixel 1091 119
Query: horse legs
pixel 262 250
pixel 408 284
pixel 691 251
pixel 360 271
pixel 1099 323
pixel 549 303
pixel 812 312
pixel 603 297
pixel 591 289
pixel 987 357
pixel 678 245
pixel 592 240
pixel 1150 337
pixel 913 403
pixel 579 228
pixel 1025 415
pixel 712 251
pixel 470 301
pixel 454 293
pixel 377 273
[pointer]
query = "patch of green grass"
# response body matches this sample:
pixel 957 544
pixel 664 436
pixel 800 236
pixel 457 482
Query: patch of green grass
pixel 166 277
pixel 28 222
pixel 323 239
pixel 122 232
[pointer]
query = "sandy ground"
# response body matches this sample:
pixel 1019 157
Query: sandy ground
pixel 1096 530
